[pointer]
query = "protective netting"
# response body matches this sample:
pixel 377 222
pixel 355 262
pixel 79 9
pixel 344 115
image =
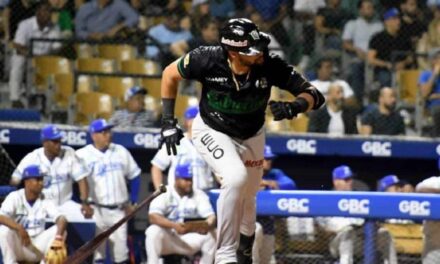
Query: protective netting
pixel 7 166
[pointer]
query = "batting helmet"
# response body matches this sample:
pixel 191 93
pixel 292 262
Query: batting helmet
pixel 243 36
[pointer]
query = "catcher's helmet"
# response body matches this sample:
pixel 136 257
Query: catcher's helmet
pixel 243 36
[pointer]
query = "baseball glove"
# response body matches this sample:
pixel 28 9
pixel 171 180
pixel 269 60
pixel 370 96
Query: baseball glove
pixel 57 253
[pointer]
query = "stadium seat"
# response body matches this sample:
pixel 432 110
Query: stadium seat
pixel 45 67
pixel 152 85
pixel 299 124
pixel 90 105
pixel 64 88
pixel 84 50
pixel 407 81
pixel 182 102
pixel 408 238
pixel 97 65
pixel 141 66
pixel 116 87
pixel 117 52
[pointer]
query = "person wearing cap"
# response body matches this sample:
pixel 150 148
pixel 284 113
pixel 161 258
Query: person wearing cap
pixel 63 169
pixel 429 83
pixel 431 229
pixel 23 216
pixel 273 179
pixel 134 114
pixel 389 183
pixel 111 168
pixel 169 214
pixel 382 45
pixel 237 77
pixel 203 177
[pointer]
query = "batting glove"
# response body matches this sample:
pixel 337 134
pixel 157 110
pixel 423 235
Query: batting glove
pixel 284 110
pixel 171 134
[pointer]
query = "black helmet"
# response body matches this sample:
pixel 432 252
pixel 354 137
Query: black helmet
pixel 243 36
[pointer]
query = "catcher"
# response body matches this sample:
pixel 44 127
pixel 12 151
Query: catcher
pixel 22 224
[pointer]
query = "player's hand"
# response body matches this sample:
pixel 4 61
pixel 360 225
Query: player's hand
pixel 283 110
pixel 129 208
pixel 86 210
pixel 180 228
pixel 171 134
pixel 24 236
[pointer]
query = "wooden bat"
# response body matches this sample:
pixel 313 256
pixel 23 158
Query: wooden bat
pixel 87 249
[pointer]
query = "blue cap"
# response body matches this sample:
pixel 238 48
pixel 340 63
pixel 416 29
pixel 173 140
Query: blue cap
pixel 391 13
pixel 183 171
pixel 342 172
pixel 191 112
pixel 387 182
pixel 50 132
pixel 32 171
pixel 133 91
pixel 99 125
pixel 268 154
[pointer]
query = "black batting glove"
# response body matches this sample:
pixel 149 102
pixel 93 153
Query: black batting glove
pixel 171 134
pixel 284 110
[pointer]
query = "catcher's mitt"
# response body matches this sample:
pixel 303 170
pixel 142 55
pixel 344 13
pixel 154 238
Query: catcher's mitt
pixel 57 253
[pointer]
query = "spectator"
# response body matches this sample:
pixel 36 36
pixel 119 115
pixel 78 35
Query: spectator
pixel 63 15
pixel 63 167
pixel 169 233
pixel 22 217
pixel 429 84
pixel 273 12
pixel 406 187
pixel 326 77
pixel 274 45
pixel 431 243
pixel 134 115
pixel 329 22
pixel 347 229
pixel 111 166
pixel 382 45
pixel 166 34
pixel 160 7
pixel 383 119
pixel 222 10
pixel 389 183
pixel 429 41
pixel 38 26
pixel 200 13
pixel 15 12
pixel 273 179
pixel 100 19
pixel 334 118
pixel 356 36
pixel 186 152
pixel 209 37
pixel 305 11
pixel 413 24
pixel 433 6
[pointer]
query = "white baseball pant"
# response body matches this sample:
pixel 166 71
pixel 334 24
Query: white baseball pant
pixel 18 67
pixel 236 206
pixel 264 247
pixel 161 241
pixel 105 218
pixel 13 251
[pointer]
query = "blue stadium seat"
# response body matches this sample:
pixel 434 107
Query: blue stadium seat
pixel 20 115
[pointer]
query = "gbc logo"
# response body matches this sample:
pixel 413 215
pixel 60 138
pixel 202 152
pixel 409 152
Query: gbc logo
pixel 354 206
pixel 376 148
pixel 147 140
pixel 302 146
pixel 293 205
pixel 4 136
pixel 74 138
pixel 415 208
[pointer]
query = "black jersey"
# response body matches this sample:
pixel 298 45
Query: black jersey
pixel 237 110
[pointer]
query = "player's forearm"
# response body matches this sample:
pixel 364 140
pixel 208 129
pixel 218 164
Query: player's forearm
pixel 156 177
pixel 4 220
pixel 83 189
pixel 211 220
pixel 427 190
pixel 61 223
pixel 170 81
pixel 159 220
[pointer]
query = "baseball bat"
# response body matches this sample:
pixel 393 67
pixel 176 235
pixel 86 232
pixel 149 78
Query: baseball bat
pixel 87 249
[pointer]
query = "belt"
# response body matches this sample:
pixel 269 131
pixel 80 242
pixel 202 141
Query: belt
pixel 111 206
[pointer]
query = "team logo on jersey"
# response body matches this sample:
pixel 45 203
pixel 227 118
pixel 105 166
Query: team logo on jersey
pixel 217 79
pixel 253 163
pixel 210 144
pixel 261 83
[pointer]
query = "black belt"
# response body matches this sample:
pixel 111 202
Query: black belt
pixel 110 206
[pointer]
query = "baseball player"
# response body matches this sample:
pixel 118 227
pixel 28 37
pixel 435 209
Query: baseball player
pixel 22 221
pixel 431 242
pixel 236 78
pixel 168 233
pixel 273 179
pixel 111 165
pixel 186 152
pixel 63 167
